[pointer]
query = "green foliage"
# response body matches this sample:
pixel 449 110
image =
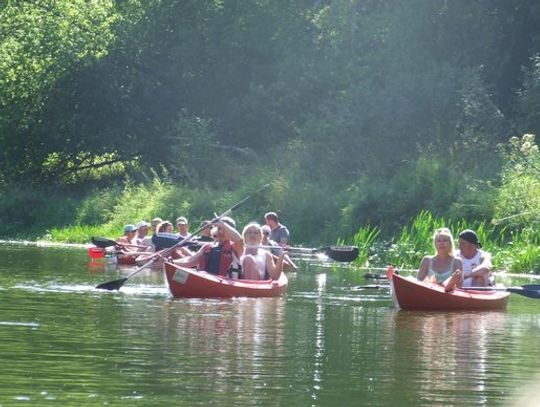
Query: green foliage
pixel 40 43
pixel 29 212
pixel 80 234
pixel 364 239
pixel 521 254
pixel 529 97
pixel 356 113
pixel 518 201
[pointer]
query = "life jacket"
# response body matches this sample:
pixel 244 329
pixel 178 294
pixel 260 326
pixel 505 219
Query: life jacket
pixel 225 257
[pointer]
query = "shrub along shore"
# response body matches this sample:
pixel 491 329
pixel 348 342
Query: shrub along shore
pixel 386 231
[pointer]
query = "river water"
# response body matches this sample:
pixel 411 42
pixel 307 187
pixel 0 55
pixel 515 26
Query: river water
pixel 324 343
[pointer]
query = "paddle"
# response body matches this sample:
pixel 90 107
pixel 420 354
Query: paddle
pixel 529 290
pixel 117 284
pixel 373 286
pixel 169 241
pixel 374 276
pixel 103 243
pixel 337 253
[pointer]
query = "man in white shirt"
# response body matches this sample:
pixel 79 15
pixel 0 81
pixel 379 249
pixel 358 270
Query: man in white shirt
pixel 476 262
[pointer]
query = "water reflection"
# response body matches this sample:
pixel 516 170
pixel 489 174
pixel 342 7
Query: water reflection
pixel 321 344
pixel 452 353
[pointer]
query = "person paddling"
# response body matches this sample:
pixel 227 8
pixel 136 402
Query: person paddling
pixel 443 267
pixel 128 239
pixel 219 256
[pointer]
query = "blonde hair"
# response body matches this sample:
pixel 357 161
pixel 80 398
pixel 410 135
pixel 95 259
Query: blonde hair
pixel 252 225
pixel 446 233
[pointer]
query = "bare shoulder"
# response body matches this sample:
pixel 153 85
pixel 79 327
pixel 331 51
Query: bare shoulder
pixel 424 264
pixel 426 259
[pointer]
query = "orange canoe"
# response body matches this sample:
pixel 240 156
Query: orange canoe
pixel 125 260
pixel 411 294
pixel 189 283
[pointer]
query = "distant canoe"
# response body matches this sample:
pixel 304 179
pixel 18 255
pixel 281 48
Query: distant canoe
pixel 125 260
pixel 411 294
pixel 188 283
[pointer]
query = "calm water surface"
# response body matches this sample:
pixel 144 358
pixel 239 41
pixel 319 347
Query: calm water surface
pixel 324 343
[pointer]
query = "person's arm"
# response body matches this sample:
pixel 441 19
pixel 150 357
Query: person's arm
pixel 274 269
pixel 283 236
pixel 235 237
pixel 458 267
pixel 190 261
pixel 423 269
pixel 484 268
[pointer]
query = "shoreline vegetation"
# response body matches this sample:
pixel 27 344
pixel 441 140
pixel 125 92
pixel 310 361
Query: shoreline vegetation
pixel 515 246
pixel 373 122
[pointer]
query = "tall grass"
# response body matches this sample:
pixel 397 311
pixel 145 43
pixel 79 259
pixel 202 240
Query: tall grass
pixel 514 251
pixel 364 239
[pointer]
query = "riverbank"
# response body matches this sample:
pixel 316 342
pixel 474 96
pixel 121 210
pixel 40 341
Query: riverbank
pixel 62 216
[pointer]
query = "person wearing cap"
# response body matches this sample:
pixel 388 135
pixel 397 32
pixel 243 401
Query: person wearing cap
pixel 219 256
pixel 476 262
pixel 155 223
pixel 182 226
pixel 142 237
pixel 278 232
pixel 129 236
pixel 127 244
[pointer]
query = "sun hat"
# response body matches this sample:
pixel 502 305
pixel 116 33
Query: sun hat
pixel 141 224
pixel 129 228
pixel 229 221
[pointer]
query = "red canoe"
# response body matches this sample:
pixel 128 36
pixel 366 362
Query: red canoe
pixel 125 260
pixel 190 283
pixel 411 294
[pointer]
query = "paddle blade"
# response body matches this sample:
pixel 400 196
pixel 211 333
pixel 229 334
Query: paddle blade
pixel 342 253
pixel 164 242
pixel 533 287
pixel 112 285
pixel 102 242
pixel 372 286
pixel 374 276
pixel 531 291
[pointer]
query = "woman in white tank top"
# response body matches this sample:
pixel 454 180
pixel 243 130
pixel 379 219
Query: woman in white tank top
pixel 257 263
pixel 443 267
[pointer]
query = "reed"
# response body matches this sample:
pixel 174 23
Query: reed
pixel 514 251
pixel 364 239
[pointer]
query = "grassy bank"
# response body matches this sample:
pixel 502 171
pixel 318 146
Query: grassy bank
pixel 384 217
pixel 513 251
pixel 104 212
